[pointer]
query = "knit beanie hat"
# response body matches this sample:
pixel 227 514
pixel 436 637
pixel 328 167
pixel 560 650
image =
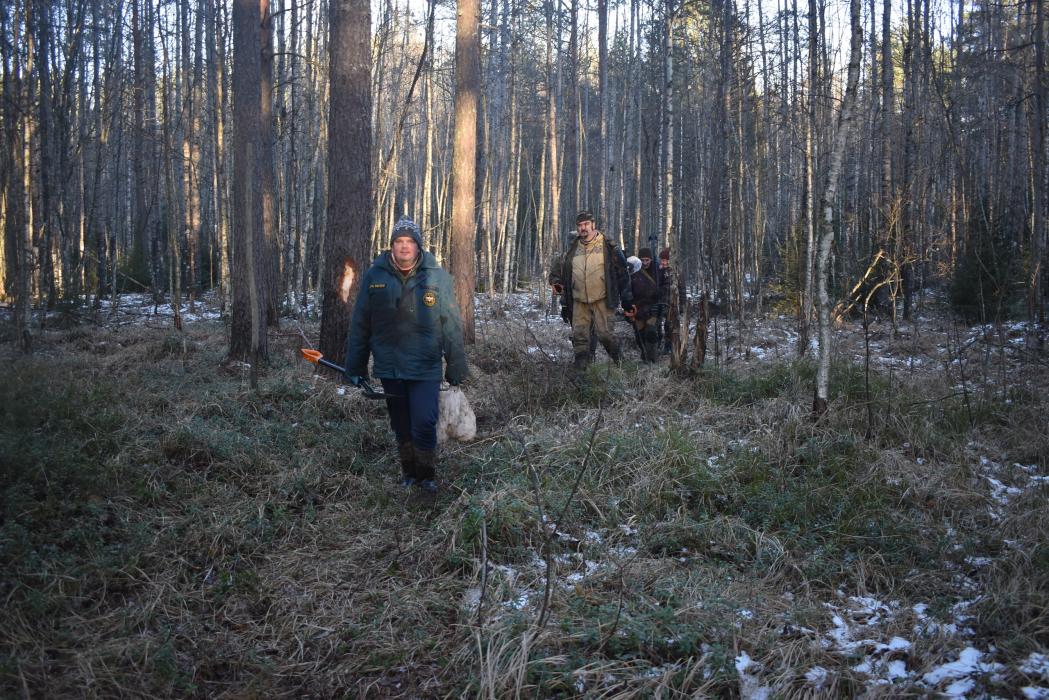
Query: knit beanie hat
pixel 582 216
pixel 406 227
pixel 664 254
pixel 645 253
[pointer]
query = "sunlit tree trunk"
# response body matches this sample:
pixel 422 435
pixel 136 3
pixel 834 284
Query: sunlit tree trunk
pixel 464 159
pixel 828 201
pixel 24 247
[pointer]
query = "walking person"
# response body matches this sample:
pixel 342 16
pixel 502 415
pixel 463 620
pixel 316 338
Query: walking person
pixel 406 318
pixel 647 296
pixel 592 279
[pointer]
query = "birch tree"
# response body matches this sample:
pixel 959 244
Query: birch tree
pixel 828 201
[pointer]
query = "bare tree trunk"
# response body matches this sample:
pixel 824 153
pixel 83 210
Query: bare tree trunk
pixel 464 159
pixel 171 209
pixel 570 195
pixel 248 340
pixel 667 126
pixel 605 114
pixel 49 269
pixel 828 202
pixel 24 248
pixel 811 164
pixel 350 199
pixel 269 267
pixel 426 220
pixel 1035 294
pixel 553 89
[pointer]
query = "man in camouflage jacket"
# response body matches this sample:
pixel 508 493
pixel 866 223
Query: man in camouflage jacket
pixel 592 279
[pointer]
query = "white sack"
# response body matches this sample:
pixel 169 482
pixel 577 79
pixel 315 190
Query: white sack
pixel 456 419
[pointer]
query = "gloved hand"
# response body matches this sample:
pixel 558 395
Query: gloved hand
pixel 629 310
pixel 558 289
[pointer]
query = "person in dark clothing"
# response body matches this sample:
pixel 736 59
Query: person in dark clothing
pixel 592 279
pixel 645 287
pixel 674 300
pixel 407 319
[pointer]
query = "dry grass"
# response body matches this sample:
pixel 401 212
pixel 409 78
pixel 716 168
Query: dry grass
pixel 167 532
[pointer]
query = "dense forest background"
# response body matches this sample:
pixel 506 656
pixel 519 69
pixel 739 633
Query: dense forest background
pixel 709 127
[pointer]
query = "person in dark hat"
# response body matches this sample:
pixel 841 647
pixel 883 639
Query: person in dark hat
pixel 407 319
pixel 592 279
pixel 647 294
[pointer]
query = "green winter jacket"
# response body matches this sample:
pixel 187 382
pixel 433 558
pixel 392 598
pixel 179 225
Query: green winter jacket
pixel 407 325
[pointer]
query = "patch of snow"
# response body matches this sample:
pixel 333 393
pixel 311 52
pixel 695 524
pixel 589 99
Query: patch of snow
pixel 589 568
pixel 968 664
pixel 1000 492
pixel 896 670
pixel 959 688
pixel 1032 692
pixel 623 552
pixel 750 687
pixel 1036 665
pixel 658 671
pixel 816 676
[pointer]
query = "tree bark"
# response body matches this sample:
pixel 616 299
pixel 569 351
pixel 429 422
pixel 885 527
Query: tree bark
pixel 248 340
pixel 827 203
pixel 464 159
pixel 351 202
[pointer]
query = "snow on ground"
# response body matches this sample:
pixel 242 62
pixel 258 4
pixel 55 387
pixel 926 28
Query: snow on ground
pixel 863 629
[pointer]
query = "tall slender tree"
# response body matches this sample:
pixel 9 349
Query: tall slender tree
pixel 828 201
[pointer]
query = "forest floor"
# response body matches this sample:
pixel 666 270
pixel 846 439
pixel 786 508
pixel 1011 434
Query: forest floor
pixel 166 530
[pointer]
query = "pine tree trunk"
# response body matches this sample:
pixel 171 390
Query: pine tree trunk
pixel 248 339
pixel 351 203
pixel 464 159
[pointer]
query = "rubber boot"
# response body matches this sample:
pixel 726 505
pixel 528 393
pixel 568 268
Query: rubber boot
pixel 582 361
pixel 651 351
pixel 615 353
pixel 406 451
pixel 425 464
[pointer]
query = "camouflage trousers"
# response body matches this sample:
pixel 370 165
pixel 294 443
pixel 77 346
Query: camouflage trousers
pixel 595 317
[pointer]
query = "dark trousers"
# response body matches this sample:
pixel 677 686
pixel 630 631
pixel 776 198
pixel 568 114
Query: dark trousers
pixel 413 411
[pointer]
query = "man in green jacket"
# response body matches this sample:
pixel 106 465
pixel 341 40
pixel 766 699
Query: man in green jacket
pixel 407 319
pixel 592 279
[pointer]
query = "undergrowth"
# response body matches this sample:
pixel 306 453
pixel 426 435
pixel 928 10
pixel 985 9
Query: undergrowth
pixel 166 531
